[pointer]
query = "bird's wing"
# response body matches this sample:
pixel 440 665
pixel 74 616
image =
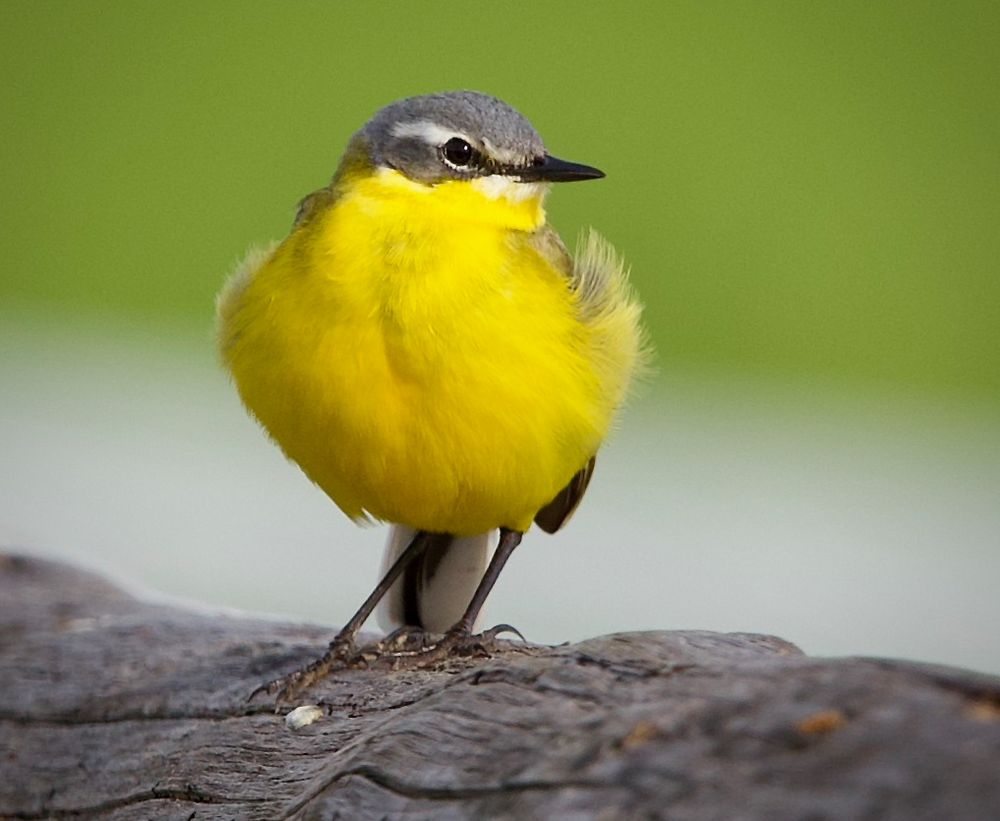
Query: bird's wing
pixel 557 512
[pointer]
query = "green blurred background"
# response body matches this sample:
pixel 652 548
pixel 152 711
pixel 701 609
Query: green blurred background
pixel 808 194
pixel 805 189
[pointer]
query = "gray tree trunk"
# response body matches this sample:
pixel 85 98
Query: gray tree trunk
pixel 115 708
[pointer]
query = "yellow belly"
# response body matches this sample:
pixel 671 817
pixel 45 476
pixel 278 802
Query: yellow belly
pixel 420 368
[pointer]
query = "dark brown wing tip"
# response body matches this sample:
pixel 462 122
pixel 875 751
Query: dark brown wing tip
pixel 557 512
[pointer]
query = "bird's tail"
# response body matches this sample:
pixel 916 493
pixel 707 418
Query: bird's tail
pixel 436 588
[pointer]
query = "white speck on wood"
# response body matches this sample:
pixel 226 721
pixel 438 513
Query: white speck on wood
pixel 303 716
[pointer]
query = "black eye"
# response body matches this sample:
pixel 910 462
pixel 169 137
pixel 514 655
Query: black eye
pixel 458 152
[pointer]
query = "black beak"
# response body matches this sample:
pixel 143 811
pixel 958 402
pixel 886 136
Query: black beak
pixel 550 169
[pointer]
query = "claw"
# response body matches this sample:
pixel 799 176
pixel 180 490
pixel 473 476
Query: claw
pixel 500 629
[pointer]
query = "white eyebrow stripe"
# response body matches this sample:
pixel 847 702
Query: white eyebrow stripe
pixel 429 132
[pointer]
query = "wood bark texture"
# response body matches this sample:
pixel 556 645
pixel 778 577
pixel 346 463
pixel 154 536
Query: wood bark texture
pixel 111 707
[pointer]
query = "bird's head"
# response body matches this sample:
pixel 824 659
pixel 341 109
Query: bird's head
pixel 462 137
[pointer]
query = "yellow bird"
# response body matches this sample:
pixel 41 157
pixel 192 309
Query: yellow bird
pixel 424 348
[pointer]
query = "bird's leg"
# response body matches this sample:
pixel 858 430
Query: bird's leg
pixel 509 539
pixel 459 639
pixel 342 648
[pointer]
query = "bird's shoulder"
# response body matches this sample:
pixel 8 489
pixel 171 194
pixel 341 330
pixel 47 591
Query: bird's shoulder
pixel 311 205
pixel 547 243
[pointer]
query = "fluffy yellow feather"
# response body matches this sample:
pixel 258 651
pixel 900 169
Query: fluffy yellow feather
pixel 428 356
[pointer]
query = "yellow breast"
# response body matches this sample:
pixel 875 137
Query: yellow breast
pixel 418 356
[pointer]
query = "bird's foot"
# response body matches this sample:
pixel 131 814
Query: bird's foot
pixel 340 653
pixel 402 640
pixel 408 648
pixel 456 643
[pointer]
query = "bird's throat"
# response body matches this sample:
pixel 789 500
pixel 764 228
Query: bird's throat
pixel 492 201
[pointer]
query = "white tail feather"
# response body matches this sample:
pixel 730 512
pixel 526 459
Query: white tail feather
pixel 442 599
